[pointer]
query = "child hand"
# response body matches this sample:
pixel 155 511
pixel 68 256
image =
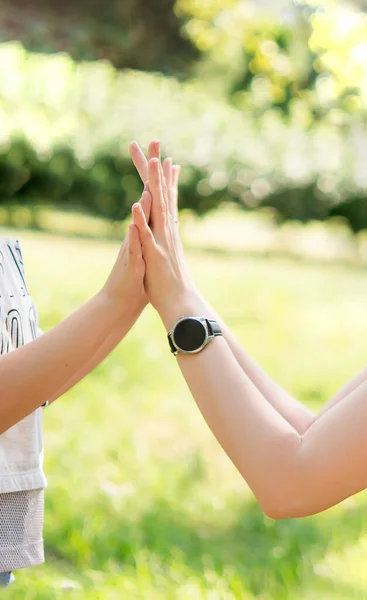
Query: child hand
pixel 124 288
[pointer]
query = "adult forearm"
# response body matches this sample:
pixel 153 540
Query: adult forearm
pixel 34 373
pixel 259 441
pixel 296 413
pixel 289 407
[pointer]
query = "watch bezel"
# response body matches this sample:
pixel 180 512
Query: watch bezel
pixel 202 321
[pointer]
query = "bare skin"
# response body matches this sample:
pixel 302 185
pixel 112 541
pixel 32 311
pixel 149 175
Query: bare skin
pixel 291 409
pixel 295 463
pixel 56 361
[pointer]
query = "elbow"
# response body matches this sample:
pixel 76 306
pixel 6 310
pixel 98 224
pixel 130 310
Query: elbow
pixel 286 507
pixel 292 500
pixel 276 512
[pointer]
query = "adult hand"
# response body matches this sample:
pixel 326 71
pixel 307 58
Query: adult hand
pixel 171 172
pixel 170 179
pixel 167 280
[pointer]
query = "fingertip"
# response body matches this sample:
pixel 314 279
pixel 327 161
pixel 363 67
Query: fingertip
pixel 136 212
pixel 154 148
pixel 154 169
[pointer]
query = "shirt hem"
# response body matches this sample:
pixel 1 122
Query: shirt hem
pixel 22 482
pixel 22 557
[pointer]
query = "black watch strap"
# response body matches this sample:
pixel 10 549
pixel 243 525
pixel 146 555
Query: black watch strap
pixel 213 327
pixel 171 344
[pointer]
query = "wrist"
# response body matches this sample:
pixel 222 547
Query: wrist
pixel 124 310
pixel 189 303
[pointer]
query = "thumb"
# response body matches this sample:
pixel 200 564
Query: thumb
pixel 145 233
pixel 135 250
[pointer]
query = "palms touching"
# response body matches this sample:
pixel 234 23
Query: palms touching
pixel 295 462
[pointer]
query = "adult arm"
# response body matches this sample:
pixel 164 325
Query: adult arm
pixel 291 474
pixel 294 411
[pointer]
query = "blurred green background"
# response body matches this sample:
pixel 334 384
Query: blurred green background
pixel 264 104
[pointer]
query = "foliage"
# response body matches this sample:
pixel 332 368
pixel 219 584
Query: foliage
pixel 113 30
pixel 312 57
pixel 142 502
pixel 276 116
pixel 66 129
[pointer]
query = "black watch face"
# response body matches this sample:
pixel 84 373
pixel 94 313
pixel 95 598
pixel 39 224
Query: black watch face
pixel 189 335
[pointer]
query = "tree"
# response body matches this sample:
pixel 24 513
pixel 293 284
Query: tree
pixel 136 34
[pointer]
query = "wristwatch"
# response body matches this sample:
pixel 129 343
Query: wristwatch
pixel 190 335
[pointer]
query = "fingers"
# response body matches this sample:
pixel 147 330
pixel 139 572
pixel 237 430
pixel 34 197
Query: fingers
pixel 154 150
pixel 135 250
pixel 145 233
pixel 159 206
pixel 175 175
pixel 167 176
pixel 174 190
pixel 167 171
pixel 139 160
pixel 167 188
pixel 146 204
pixel 172 173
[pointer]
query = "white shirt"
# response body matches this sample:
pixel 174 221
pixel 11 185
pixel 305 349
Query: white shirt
pixel 21 447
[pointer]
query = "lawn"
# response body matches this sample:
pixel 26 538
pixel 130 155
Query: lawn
pixel 142 503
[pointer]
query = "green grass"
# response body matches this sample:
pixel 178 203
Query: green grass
pixel 142 503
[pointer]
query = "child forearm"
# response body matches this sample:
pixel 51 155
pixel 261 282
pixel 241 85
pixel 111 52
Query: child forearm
pixel 114 338
pixel 51 364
